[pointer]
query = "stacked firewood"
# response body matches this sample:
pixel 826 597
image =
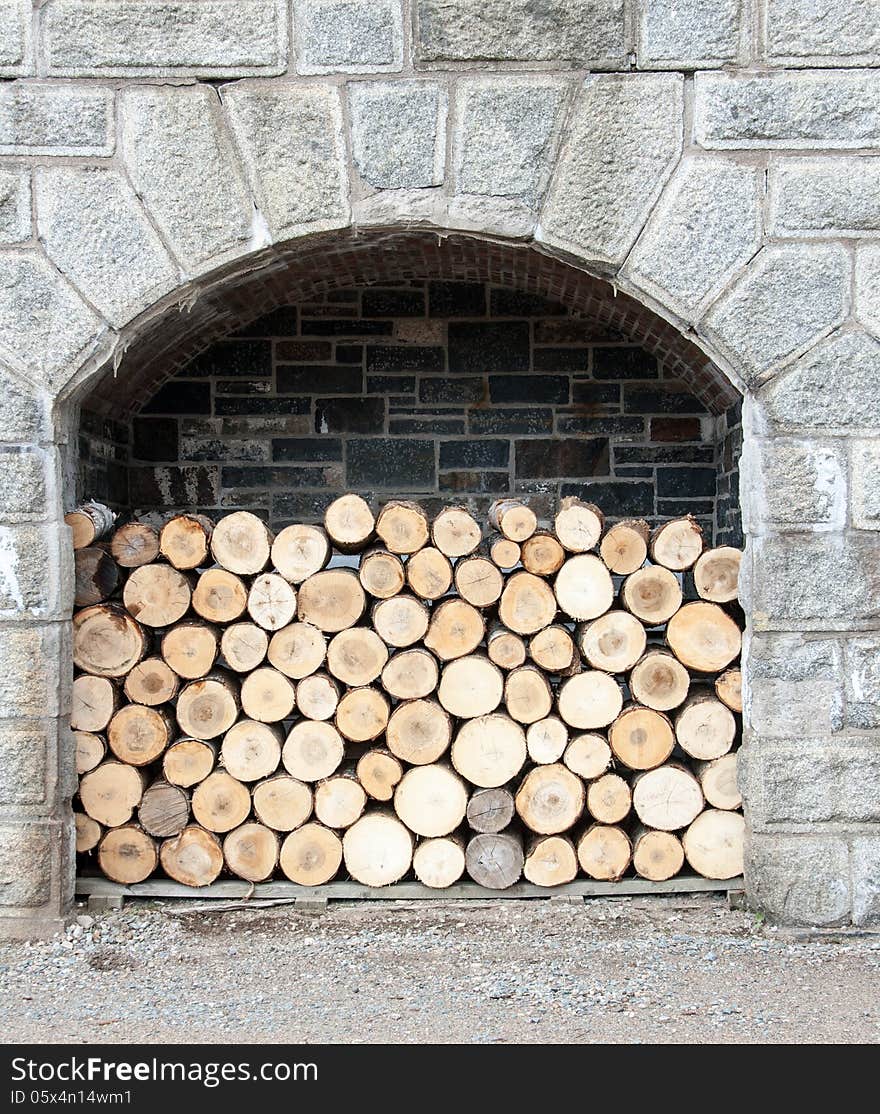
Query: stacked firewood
pixel 387 694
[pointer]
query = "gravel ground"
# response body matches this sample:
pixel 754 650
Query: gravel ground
pixel 677 969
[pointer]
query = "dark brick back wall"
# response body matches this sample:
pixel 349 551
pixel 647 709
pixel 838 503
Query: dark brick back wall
pixel 445 391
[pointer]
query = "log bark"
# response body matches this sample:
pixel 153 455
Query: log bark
pixel 657 856
pixel 157 595
pixel 128 855
pixel 456 628
pixel 439 863
pixel 271 601
pixel 164 809
pixel 609 799
pixel 652 594
pixel 403 526
pixel 419 732
pixel 515 520
pixel 220 802
pixel 381 574
pixel 282 803
pixel 267 695
pixel 527 694
pixel 716 574
pixel 703 637
pixel 411 675
pixel 578 525
pixel 470 686
pixel 550 861
pixel 107 642
pixel 153 682
pixel 298 650
pixel 591 699
pixel 111 792
pixel 429 573
pixel 718 780
pixel 659 681
pixel 317 696
pixel 478 581
pixel 339 801
pixel 90 750
pixel 505 649
pixel 624 548
pixel 583 587
pixel 456 532
pixel 88 833
pixel 677 544
pixel 356 656
pixel 546 740
pixel 243 646
pixel 431 800
pixel 95 701
pixel 542 554
pixel 350 523
pixel 251 750
pixel 495 860
pixel 89 522
pixel 553 649
pixel 219 596
pixel 728 689
pixel 613 642
pixel 527 604
pixel 188 761
pixel 311 855
pixel 713 844
pixel 668 798
pixel 298 552
pixel 379 771
pixel 401 621
pixel 185 539
pixel 251 852
pixel 194 858
pixel 138 735
pixel 489 751
pixel 490 810
pixel 588 755
pixel 331 600
pixel 208 707
pixel 705 728
pixel 96 576
pixel 377 849
pixel 241 543
pixel 550 799
pixel 362 714
pixel 604 852
pixel 504 553
pixel 641 738
pixel 135 544
pixel 190 649
pixel 312 751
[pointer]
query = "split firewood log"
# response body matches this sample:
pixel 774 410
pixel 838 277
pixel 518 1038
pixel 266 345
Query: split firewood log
pixel 713 844
pixel 185 539
pixel 456 628
pixel 624 548
pixel 656 855
pixel 381 574
pixel 107 642
pixel 194 858
pixel 546 740
pixel 127 855
pixel 438 863
pixel 188 761
pixel 515 520
pixel 495 859
pixel 219 596
pixel 95 701
pixel 377 849
pixel 96 576
pixel 419 731
pixel 429 573
pixel 490 810
pixel 153 682
pixel 111 792
pixel 613 642
pixel 604 852
pixel 677 544
pixel 251 852
pixel 578 525
pixel 456 532
pixel 550 861
pixel 431 800
pixel 157 595
pixel 716 574
pixel 89 522
pixel 350 523
pixel 659 681
pixel 251 750
pixel 403 526
pixel 703 637
pixel 583 587
pixel 489 751
pixel 550 799
pixel 641 738
pixel 243 646
pixel 190 649
pixel 298 552
pixel 134 544
pixel 241 543
pixel 311 855
pixel 282 803
pixel 312 751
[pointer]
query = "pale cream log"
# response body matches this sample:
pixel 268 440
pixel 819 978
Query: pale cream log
pixel 527 603
pixel 588 755
pixel 241 543
pixel 438 863
pixel 194 858
pixel 317 696
pixel 504 552
pixel 106 641
pixel 456 628
pixel 546 740
pixel 550 799
pixel 431 800
pixel 550 861
pixel 705 728
pixel 677 544
pixel 583 587
pixel 362 714
pixel 411 675
pixel 703 637
pixel 251 750
pixel 89 522
pixel 220 802
pixel 625 547
pixel 641 738
pixel 591 699
pixel 489 751
pixel 613 642
pixel 495 859
pixel 478 581
pixel 470 686
pixel 609 799
pixel 157 595
pixel 728 689
pixel 381 574
pixel 604 852
pixel 506 649
pixel 429 573
pixel 716 574
pixel 331 600
pixel 267 695
pixel 219 596
pixel 578 525
pixel 190 649
pixel 379 771
pixel 659 681
pixel 356 656
pixel 96 576
pixel 298 552
pixel 153 682
pixel 90 750
pixel 401 620
pixel 188 761
pixel 297 650
pixel 713 844
pixel 282 803
pixel 243 646
pixel 419 732
pixel 542 554
pixel 350 523
pixel 339 800
pixel 515 520
pixel 128 855
pixel 652 594
pixel 184 540
pixel 718 780
pixel 208 708
pixel 94 703
pixel 312 751
pixel 668 798
pixel 164 809
pixel 251 852
pixel 377 849
pixel 553 649
pixel 527 694
pixel 138 735
pixel 111 792
pixel 271 601
pixel 311 855
pixel 456 532
pixel 656 855
pixel 490 810
pixel 88 832
pixel 135 544
pixel 402 526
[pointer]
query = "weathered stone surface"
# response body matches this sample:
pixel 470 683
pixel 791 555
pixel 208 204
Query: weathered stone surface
pixel 26 854
pixel 837 385
pixel 15 206
pixel 806 782
pixel 865 863
pixel 585 32
pixel 23 768
pixel 832 196
pixel 182 165
pixel 32 662
pixel 862 669
pixel 866 484
pixel 799 879
pixel 699 33
pixel 348 36
pixel 16 54
pixel 23 411
pixel 44 325
pixel 291 138
pixel 797 292
pixel 795 685
pixel 867 286
pixel 36 569
pixel 811 32
pixel 796 484
pixel 398 133
pixel 624 139
pixel 827 580
pixel 94 230
pixel 48 119
pixel 505 135
pixel 23 483
pixel 706 224
pixel 207 38
pixel 793 110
